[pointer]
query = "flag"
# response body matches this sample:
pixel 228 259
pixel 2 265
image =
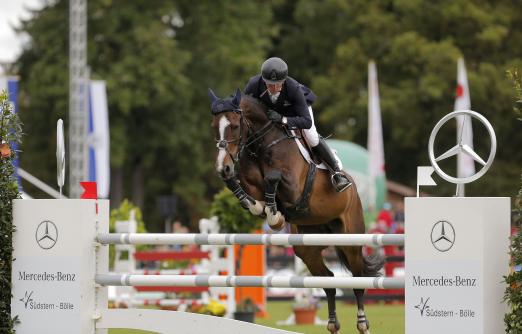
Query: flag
pixel 424 177
pixel 89 190
pixel 10 84
pixel 375 141
pixel 98 138
pixel 465 163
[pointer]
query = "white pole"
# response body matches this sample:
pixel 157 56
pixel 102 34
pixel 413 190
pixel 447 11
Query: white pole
pixel 252 239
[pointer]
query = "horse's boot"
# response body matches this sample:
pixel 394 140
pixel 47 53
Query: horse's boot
pixel 339 180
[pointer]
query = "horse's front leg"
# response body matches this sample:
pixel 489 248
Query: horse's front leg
pixel 274 218
pixel 255 207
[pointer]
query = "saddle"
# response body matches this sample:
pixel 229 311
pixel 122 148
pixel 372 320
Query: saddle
pixel 306 150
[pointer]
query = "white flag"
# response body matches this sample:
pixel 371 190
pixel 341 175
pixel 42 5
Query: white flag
pixel 424 176
pixel 465 163
pixel 375 141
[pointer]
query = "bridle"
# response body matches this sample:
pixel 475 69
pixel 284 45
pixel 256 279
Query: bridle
pixel 251 138
pixel 222 144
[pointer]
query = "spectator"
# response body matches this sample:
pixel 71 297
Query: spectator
pixel 399 213
pixel 386 216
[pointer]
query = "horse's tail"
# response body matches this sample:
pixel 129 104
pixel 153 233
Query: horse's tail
pixel 372 264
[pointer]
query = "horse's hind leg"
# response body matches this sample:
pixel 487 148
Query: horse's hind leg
pixel 311 256
pixel 353 259
pixel 363 325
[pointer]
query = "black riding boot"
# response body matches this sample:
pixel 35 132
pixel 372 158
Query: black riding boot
pixel 339 180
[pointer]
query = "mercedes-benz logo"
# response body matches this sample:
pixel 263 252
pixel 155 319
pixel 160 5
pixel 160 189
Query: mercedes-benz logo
pixel 442 236
pixel 462 148
pixel 46 234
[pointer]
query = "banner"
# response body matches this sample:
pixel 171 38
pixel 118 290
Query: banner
pixel 98 138
pixel 375 141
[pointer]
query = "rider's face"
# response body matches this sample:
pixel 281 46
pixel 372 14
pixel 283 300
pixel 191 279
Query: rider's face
pixel 275 87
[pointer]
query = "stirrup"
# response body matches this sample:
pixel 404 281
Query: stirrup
pixel 340 188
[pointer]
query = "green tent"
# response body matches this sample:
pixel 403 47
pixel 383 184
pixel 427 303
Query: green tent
pixel 355 161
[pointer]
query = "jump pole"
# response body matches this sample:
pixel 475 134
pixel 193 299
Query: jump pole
pixel 252 239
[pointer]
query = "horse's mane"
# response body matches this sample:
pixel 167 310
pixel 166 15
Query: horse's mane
pixel 254 102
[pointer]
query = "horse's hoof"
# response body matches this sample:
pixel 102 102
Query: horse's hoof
pixel 275 221
pixel 333 327
pixel 256 209
pixel 363 327
pixel 280 223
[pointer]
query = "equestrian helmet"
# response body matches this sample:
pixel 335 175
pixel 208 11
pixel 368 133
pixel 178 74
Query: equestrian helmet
pixel 274 70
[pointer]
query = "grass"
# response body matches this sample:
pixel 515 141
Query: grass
pixel 384 319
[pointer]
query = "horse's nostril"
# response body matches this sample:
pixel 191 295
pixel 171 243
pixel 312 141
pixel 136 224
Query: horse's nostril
pixel 227 170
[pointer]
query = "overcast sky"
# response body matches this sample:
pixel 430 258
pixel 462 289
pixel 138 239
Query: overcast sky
pixel 11 11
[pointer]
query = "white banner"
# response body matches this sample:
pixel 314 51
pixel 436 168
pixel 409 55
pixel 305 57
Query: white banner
pixel 98 138
pixel 375 141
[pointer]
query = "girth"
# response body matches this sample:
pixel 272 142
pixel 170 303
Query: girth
pixel 302 207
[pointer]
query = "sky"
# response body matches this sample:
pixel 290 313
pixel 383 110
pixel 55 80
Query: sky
pixel 11 11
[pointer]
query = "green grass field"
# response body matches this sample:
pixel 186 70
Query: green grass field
pixel 384 319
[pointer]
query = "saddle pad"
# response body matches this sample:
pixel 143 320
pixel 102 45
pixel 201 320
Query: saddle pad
pixel 306 154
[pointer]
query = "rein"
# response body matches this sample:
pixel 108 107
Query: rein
pixel 261 133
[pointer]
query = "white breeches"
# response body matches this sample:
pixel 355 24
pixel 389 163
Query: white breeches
pixel 311 135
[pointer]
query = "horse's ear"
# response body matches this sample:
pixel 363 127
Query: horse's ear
pixel 237 98
pixel 212 96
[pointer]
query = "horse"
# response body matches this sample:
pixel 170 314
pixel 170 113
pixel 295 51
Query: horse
pixel 260 162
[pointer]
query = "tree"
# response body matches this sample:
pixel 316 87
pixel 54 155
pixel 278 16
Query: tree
pixel 513 292
pixel 158 60
pixel 227 40
pixel 416 45
pixel 132 47
pixel 10 133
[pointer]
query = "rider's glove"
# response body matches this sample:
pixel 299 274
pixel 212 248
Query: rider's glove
pixel 274 116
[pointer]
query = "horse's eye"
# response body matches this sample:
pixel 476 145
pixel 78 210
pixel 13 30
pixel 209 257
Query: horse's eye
pixel 234 126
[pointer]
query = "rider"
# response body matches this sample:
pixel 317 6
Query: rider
pixel 289 103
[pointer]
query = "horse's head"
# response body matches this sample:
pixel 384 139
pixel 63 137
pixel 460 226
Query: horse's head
pixel 226 123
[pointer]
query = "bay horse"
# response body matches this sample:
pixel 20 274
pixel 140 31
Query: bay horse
pixel 261 163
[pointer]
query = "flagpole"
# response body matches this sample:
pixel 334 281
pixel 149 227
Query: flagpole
pixel 465 163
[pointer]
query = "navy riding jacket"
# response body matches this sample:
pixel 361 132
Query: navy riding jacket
pixel 292 102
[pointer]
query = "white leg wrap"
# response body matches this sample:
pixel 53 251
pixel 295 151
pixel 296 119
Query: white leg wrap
pixel 257 208
pixel 362 326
